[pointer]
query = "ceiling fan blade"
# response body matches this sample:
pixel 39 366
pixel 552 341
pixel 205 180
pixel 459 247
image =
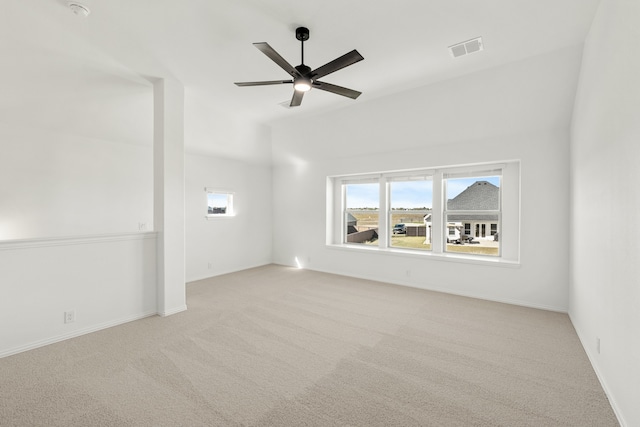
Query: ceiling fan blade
pixel 270 82
pixel 349 93
pixel 275 57
pixel 296 100
pixel 337 64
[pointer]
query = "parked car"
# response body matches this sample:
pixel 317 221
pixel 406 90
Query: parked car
pixel 399 229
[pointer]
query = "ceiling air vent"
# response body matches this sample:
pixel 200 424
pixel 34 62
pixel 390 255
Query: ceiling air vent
pixel 465 48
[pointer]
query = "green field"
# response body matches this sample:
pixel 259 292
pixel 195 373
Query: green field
pixel 417 242
pixel 366 220
pixel 473 249
pixel 407 218
pixel 413 242
pixel 370 220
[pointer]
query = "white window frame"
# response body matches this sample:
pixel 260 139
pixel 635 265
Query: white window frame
pixel 508 220
pixel 478 174
pixel 405 177
pixel 229 212
pixel 358 180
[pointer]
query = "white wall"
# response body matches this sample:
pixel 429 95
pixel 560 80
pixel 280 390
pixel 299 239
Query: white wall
pixel 70 211
pixel 54 184
pixel 106 280
pixel 76 131
pixel 222 245
pixel 76 175
pixel 518 111
pixel 605 295
pixel 76 186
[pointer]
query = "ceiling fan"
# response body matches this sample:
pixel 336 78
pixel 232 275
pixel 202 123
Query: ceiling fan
pixel 304 78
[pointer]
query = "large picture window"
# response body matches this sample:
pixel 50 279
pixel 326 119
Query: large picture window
pixel 451 212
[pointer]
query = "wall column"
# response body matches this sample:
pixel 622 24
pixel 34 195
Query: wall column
pixel 168 191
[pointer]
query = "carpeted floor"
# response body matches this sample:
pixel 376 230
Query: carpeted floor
pixel 276 346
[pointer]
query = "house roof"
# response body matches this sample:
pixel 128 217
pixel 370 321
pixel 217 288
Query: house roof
pixel 351 220
pixel 479 196
pixel 471 218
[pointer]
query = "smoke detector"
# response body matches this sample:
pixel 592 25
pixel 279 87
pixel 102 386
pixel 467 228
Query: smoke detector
pixel 465 48
pixel 79 9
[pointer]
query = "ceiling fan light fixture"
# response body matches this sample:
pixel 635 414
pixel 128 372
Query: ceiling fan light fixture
pixel 302 84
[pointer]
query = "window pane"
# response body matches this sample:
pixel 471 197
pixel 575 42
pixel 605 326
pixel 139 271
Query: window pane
pixel 362 213
pixel 468 232
pixel 478 239
pixel 464 194
pixel 410 216
pixel 217 203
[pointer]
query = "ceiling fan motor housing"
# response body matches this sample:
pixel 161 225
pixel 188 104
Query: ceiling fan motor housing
pixel 303 69
pixel 302 34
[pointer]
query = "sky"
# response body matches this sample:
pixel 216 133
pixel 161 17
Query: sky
pixel 216 200
pixel 407 194
pixel 411 194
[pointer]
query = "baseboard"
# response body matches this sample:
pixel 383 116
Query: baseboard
pixel 444 290
pixel 592 357
pixel 76 333
pixel 175 310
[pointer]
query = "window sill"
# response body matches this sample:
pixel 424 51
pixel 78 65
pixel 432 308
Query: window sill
pixel 218 216
pixel 446 257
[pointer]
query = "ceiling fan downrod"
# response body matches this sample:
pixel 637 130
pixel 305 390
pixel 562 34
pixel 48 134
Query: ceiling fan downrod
pixel 302 34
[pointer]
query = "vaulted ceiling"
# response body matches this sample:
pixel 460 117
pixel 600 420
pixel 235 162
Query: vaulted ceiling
pixel 60 69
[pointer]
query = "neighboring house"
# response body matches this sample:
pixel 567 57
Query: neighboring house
pixel 479 196
pixel 351 224
pixel 355 236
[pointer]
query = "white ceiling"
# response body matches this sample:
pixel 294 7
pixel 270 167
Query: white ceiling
pixel 207 45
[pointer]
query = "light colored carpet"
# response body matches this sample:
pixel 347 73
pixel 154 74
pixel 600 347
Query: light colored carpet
pixel 276 346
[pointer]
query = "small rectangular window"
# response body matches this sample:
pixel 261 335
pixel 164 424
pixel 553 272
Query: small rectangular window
pixel 219 203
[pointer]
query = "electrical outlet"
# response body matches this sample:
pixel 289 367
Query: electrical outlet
pixel 408 273
pixel 598 344
pixel 210 265
pixel 69 316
